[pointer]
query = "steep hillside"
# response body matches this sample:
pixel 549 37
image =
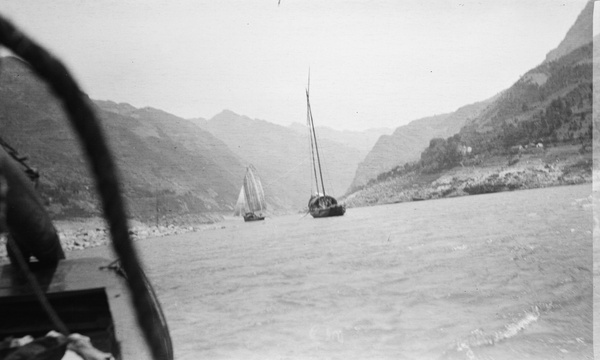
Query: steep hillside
pixel 408 141
pixel 549 104
pixel 168 165
pixel 536 133
pixel 579 34
pixel 190 168
pixel 282 157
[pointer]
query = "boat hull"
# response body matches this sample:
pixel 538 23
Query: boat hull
pixel 325 206
pixel 253 217
pixel 91 298
pixel 334 210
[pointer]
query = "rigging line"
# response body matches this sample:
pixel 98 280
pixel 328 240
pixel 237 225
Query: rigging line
pixel 312 123
pixel 312 145
pixel 326 168
pixel 310 139
pixel 309 158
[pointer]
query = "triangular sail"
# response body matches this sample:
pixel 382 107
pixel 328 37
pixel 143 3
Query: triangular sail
pixel 240 206
pixel 255 196
pixel 252 196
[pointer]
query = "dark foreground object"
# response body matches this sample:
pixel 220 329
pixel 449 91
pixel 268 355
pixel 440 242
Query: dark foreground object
pixel 89 296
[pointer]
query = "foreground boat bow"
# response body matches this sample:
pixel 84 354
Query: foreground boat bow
pixel 89 296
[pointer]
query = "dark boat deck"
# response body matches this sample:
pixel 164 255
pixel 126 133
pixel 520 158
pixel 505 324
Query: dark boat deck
pixel 90 298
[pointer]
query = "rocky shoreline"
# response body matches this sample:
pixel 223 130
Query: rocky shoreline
pixel 554 167
pixel 88 233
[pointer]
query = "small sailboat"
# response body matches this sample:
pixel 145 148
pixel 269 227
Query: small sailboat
pixel 251 201
pixel 320 204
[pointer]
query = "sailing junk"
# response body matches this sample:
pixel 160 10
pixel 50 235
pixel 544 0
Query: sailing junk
pixel 251 201
pixel 320 204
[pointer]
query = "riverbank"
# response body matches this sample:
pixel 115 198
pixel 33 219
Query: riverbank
pixel 79 234
pixel 558 166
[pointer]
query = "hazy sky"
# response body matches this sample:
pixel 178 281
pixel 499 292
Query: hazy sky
pixel 373 63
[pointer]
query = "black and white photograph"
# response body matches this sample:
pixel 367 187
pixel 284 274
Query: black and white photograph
pixel 299 180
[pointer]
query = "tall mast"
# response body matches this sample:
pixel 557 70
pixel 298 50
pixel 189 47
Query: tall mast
pixel 314 135
pixel 312 146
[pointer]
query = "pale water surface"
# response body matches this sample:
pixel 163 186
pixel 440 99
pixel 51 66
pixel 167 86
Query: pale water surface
pixel 498 276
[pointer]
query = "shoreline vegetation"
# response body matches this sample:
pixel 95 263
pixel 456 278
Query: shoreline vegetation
pixel 529 169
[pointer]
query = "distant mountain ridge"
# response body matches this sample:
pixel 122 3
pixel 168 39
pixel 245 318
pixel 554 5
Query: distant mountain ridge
pixel 578 35
pixel 408 141
pixel 172 167
pixel 168 165
pixel 282 158
pixel 551 102
pixel 531 93
pixel 548 107
pixel 175 156
pixel 360 140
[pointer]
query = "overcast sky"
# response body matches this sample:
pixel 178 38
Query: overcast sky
pixel 373 63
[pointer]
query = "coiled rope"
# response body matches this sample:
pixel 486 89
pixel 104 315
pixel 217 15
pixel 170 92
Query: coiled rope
pixel 85 124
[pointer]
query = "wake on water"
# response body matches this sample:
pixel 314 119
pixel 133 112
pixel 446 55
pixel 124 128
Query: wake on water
pixel 479 338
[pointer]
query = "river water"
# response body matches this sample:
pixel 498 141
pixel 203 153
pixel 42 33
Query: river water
pixel 497 276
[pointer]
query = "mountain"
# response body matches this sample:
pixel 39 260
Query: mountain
pixel 408 141
pixel 549 103
pixel 360 140
pixel 169 167
pixel 578 35
pixel 564 74
pixel 188 167
pixel 282 157
pixel 536 133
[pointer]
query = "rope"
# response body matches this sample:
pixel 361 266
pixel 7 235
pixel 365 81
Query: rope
pixel 85 124
pixel 326 169
pixel 310 150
